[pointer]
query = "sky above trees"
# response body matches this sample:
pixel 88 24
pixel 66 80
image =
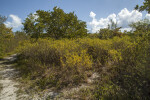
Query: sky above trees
pixel 96 13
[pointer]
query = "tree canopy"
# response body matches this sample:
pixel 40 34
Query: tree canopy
pixel 145 6
pixel 141 26
pixel 56 24
pixel 3 28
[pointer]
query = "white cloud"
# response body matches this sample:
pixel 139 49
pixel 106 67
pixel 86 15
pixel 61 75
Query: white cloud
pixel 147 16
pixel 92 14
pixel 102 23
pixel 127 29
pixel 35 15
pixel 123 19
pixel 15 23
pixel 126 17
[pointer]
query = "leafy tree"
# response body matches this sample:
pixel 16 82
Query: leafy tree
pixel 66 25
pixel 140 28
pixel 30 26
pixel 110 32
pixel 56 24
pixel 105 33
pixel 3 28
pixel 145 6
pixel 5 35
pixel 112 25
pixel 2 19
pixel 143 25
pixel 20 35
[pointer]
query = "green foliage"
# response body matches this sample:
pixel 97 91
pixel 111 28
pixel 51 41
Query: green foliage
pixel 126 77
pixel 5 37
pixel 2 19
pixel 3 28
pixel 9 42
pixel 122 64
pixel 141 27
pixel 97 48
pixel 112 25
pixel 61 62
pixel 105 33
pixel 31 27
pixel 145 6
pixel 57 24
pixel 92 35
pixel 108 34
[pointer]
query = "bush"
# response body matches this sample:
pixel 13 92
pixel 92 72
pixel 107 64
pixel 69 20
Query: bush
pixel 109 33
pixel 127 78
pixel 64 62
pixel 122 64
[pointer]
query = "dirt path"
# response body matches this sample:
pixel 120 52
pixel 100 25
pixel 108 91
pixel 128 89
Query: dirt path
pixel 7 75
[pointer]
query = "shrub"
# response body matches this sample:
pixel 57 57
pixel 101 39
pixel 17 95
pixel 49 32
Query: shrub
pixel 122 64
pixel 64 60
pixel 109 33
pixel 127 78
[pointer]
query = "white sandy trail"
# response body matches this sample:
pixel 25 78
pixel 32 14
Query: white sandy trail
pixel 7 74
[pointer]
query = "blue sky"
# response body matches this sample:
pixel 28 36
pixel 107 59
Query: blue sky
pixel 91 11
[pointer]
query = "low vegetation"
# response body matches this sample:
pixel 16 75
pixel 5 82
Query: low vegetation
pixel 122 64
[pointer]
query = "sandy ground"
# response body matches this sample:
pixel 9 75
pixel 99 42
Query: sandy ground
pixel 7 74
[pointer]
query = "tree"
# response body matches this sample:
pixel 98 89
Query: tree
pixel 105 33
pixel 2 19
pixel 5 35
pixel 29 26
pixel 3 28
pixel 110 32
pixel 112 25
pixel 141 27
pixel 145 6
pixel 56 24
pixel 20 35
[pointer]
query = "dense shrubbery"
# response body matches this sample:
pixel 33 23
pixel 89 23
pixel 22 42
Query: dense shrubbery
pixel 122 64
pixel 9 42
pixel 108 33
pixel 60 62
pixel 128 77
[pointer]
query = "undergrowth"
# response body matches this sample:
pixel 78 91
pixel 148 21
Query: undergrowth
pixel 122 64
